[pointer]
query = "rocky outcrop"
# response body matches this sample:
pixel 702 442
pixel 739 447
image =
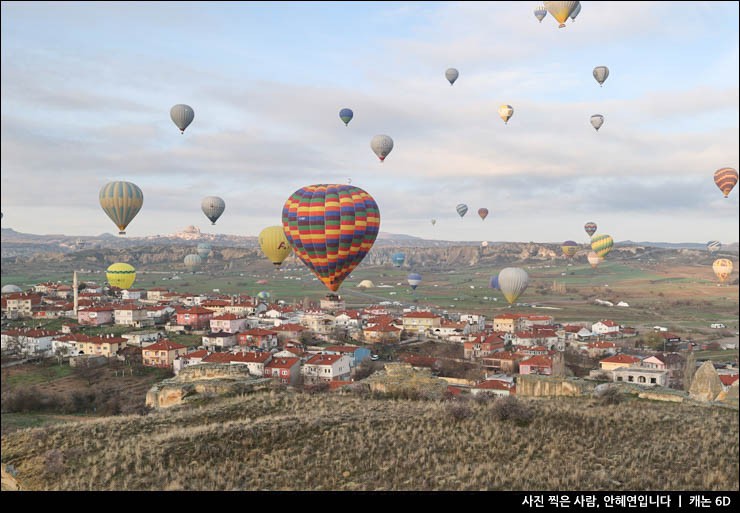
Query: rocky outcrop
pixel 203 380
pixel 705 385
pixel 402 380
pixel 544 386
pixel 731 396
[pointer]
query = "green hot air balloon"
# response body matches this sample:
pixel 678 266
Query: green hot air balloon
pixel 121 201
pixel 602 244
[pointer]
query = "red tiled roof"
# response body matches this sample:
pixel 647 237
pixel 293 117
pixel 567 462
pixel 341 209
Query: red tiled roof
pixel 289 327
pixel 164 345
pixel 282 363
pixel 608 323
pixel 258 332
pixel 227 317
pixel 249 357
pixel 507 316
pixel 728 379
pixel 196 310
pixel 383 328
pixel 505 355
pixel 201 353
pixel 494 384
pixel 323 359
pixel 537 361
pixel 421 315
pixel 620 358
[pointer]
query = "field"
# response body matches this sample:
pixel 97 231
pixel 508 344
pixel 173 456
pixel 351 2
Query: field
pixel 262 442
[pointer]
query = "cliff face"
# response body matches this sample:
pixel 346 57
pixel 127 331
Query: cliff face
pixel 203 380
pixel 539 386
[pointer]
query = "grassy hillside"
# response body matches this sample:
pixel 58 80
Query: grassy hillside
pixel 286 441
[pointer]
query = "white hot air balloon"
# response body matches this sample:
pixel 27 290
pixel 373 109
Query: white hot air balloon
pixel 601 73
pixel 451 74
pixel 213 207
pixel 540 13
pixel 182 115
pixel 596 121
pixel 506 111
pixel 193 262
pixel 381 146
pixel 512 281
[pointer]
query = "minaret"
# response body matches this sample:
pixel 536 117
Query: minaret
pixel 74 292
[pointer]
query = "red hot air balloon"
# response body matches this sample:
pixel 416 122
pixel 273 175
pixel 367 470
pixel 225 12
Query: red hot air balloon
pixel 331 227
pixel 725 179
pixel 483 213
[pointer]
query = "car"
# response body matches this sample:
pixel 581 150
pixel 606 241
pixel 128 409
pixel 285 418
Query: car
pixel 375 357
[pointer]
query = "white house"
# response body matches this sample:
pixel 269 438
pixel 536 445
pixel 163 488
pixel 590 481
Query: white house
pixel 605 327
pixel 221 340
pixel 192 358
pixel 477 322
pixel 326 367
pixel 230 323
pixel 131 315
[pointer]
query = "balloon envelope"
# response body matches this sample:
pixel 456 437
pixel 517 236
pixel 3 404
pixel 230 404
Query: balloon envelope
pixel 263 295
pixel 540 13
pixel 483 213
pixel 505 112
pixel 434 221
pixel 365 284
pixel 182 115
pixel 725 178
pixel 121 201
pixel 569 248
pixel 722 267
pixel 593 259
pixel 462 209
pixel 203 250
pixel 213 207
pixel 274 244
pixel 121 275
pixel 601 73
pixel 381 146
pixel 331 227
pixel 346 115
pixel 602 244
pixel 414 280
pixel 493 282
pixel 590 228
pixel 576 11
pixel 713 246
pixel 398 259
pixel 451 74
pixel 193 261
pixel 560 10
pixel 513 281
pixel 596 121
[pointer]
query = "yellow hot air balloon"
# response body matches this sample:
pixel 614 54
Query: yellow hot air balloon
pixel 505 112
pixel 121 275
pixel 274 244
pixel 560 10
pixel 722 267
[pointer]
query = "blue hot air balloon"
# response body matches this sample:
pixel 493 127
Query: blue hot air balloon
pixel 346 115
pixel 414 280
pixel 398 259
pixel 494 282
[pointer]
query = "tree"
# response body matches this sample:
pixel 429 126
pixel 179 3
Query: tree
pixel 689 369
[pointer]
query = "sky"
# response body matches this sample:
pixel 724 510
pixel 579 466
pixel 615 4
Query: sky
pixel 87 88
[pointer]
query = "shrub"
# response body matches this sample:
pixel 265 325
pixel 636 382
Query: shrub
pixel 459 410
pixel 511 408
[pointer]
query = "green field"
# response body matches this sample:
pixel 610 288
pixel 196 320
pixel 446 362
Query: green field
pixel 41 373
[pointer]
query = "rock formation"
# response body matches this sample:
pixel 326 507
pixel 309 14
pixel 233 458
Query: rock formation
pixel 705 386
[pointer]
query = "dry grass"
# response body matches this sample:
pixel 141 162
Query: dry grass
pixel 285 441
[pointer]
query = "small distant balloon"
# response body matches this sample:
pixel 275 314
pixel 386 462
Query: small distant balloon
pixel 569 248
pixel 593 259
pixel 505 112
pixel 540 13
pixel 601 73
pixel 451 74
pixel 346 115
pixel 602 244
pixel 576 12
pixel 433 221
pixel 213 207
pixel 121 275
pixel 596 121
pixel 193 262
pixel 121 201
pixel 590 228
pixel 414 279
pixel 381 146
pixel 560 10
pixel 182 115
pixel 726 179
pixel 398 259
pixel 722 268
pixel 713 246
pixel 462 209
pixel 483 213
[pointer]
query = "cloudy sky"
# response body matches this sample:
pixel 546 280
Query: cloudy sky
pixel 87 88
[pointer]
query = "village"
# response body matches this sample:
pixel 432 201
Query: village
pixel 328 346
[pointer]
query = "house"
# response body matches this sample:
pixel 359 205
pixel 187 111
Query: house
pixel 131 315
pixel 601 349
pixel 449 329
pixel 219 341
pixel 255 361
pixel 284 370
pixel 605 327
pixel 156 293
pixel 159 314
pixel 356 354
pixel 509 323
pixel 217 306
pixel 618 360
pixel 197 317
pixel 36 341
pixel 332 303
pixel 20 304
pixel 672 363
pixel 258 337
pixel 381 334
pixel 348 319
pixel 528 322
pixel 421 362
pixel 162 353
pixel 421 322
pixel 497 387
pixel 288 331
pixel 326 367
pixel 483 345
pixel 133 294
pixel 503 361
pixel 540 364
pixel 477 323
pixel 95 315
pixel 106 345
pixel 544 337
pixel 318 322
pixel 641 376
pixel 142 338
pixel 191 358
pixel 230 323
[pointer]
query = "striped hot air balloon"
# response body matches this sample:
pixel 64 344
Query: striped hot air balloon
pixel 602 244
pixel 203 249
pixel 483 213
pixel 512 281
pixel 569 248
pixel 462 209
pixel 560 10
pixel 590 228
pixel 493 282
pixel 596 121
pixel 263 295
pixel 540 13
pixel 331 227
pixel 213 207
pixel 121 201
pixel 722 268
pixel 121 275
pixel 274 244
pixel 714 246
pixel 725 178
pixel 182 115
pixel 193 262
pixel 414 279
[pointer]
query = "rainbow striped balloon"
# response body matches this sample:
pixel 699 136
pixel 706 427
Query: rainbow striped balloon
pixel 331 227
pixel 602 244
pixel 725 179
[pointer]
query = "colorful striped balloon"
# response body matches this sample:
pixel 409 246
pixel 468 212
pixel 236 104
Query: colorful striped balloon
pixel 713 246
pixel 121 201
pixel 602 244
pixel 331 227
pixel 590 228
pixel 462 209
pixel 725 178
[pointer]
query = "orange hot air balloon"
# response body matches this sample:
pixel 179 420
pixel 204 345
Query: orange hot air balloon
pixel 331 227
pixel 725 178
pixel 722 268
pixel 483 213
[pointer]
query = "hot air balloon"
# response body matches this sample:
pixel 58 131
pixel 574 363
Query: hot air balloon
pixel 182 115
pixel 121 275
pixel 331 228
pixel 590 228
pixel 10 289
pixel 484 244
pixel 213 207
pixel 193 262
pixel 483 213
pixel 596 121
pixel 451 74
pixel 601 73
pixel 365 284
pixel 722 268
pixel 512 281
pixel 414 280
pixel 714 246
pixel 274 244
pixel 576 12
pixel 493 283
pixel 121 201
pixel 204 249
pixel 593 259
pixel 506 111
pixel 540 13
pixel 398 259
pixel 725 178
pixel 346 115
pixel 382 146
pixel 462 209
pixel 569 248
pixel 602 244
pixel 263 295
pixel 433 221
pixel 560 10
